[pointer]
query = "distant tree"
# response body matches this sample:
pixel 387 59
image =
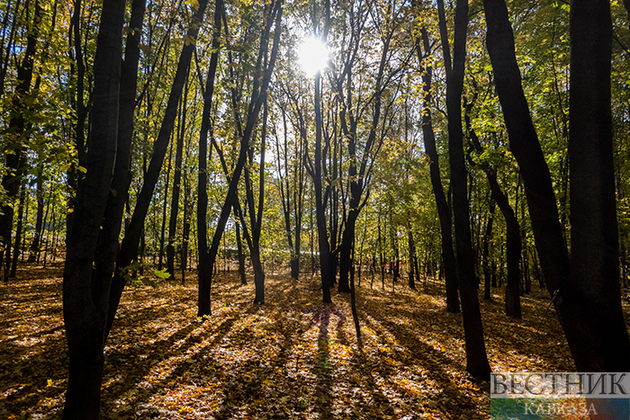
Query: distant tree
pixel 17 136
pixel 262 77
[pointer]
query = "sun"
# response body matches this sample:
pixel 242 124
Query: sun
pixel 313 55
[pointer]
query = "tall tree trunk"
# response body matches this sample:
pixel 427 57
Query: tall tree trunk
pixel 177 179
pixel 588 302
pixel 188 208
pixel 513 229
pixel 18 233
pixel 326 261
pixel 129 247
pixel 477 361
pixel 240 254
pixel 84 298
pixel 594 280
pixel 204 268
pixel 412 256
pixel 443 208
pixel 485 258
pixel 167 184
pixel 255 212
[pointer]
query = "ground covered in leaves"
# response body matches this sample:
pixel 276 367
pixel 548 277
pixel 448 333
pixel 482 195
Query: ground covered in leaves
pixel 291 358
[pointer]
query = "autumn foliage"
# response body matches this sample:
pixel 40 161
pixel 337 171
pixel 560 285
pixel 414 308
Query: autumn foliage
pixel 292 358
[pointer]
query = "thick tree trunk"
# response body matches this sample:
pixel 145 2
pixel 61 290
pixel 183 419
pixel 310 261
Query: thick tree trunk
pixel 129 247
pixel 594 280
pixel 84 299
pixel 587 303
pixel 477 361
pixel 345 248
pixel 108 242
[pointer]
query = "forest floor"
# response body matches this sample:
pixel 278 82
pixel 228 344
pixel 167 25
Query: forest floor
pixel 291 358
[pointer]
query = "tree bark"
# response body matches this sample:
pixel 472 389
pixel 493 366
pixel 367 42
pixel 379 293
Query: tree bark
pixel 477 361
pixel 84 299
pixel 594 278
pixel 585 290
pixel 443 208
pixel 129 247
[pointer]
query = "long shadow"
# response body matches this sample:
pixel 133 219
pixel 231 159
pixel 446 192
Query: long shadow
pixel 254 380
pixel 323 367
pixel 191 340
pixel 323 391
pixel 134 373
pixel 29 373
pixel 433 361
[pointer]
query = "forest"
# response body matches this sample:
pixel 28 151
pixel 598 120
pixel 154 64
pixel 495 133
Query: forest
pixel 308 208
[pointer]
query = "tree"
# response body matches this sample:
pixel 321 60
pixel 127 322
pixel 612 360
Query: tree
pixel 204 270
pixel 130 243
pixel 262 76
pixel 444 211
pixel 291 175
pixel 362 152
pixel 513 230
pixel 477 360
pixel 85 301
pixel 17 135
pixel 585 286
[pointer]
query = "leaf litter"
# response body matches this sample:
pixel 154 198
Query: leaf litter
pixel 291 358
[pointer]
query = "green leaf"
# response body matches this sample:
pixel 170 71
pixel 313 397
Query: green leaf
pixel 162 274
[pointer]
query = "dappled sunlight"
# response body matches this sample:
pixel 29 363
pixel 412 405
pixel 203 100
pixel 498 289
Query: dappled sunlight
pixel 293 357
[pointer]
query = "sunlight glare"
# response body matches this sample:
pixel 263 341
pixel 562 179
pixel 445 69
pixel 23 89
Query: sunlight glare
pixel 313 55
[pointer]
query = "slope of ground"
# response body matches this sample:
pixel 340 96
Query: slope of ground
pixel 292 358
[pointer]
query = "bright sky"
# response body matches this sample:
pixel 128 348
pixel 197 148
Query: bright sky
pixel 313 55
